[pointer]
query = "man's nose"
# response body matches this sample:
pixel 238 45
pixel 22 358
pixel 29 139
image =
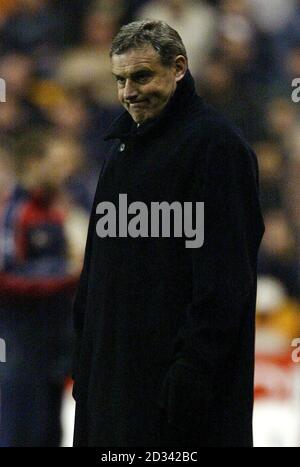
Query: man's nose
pixel 130 91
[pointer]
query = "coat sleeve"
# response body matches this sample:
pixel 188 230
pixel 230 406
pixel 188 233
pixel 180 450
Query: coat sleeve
pixel 80 301
pixel 223 270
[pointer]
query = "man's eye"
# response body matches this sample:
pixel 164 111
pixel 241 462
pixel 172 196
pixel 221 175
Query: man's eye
pixel 120 80
pixel 142 78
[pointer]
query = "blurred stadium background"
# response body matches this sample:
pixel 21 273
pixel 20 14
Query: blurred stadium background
pixel 60 98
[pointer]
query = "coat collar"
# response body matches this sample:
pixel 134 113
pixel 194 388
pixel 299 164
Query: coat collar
pixel 125 128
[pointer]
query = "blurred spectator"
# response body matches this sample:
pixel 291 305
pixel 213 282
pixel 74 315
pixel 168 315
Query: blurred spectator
pixel 35 285
pixel 88 65
pixel 293 61
pixel 272 171
pixel 272 17
pixel 65 162
pixel 73 12
pixel 246 49
pixel 288 69
pixel 130 9
pixel 278 255
pixel 13 118
pixel 88 102
pixel 7 8
pixel 33 28
pixel 18 72
pixel 278 317
pixel 7 177
pixel 292 187
pixel 71 116
pixel 220 88
pixel 281 119
pixel 6 170
pixel 16 69
pixel 288 37
pixel 195 22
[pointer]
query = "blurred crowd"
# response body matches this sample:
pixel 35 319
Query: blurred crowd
pixel 60 99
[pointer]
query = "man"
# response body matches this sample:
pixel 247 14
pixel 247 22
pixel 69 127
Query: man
pixel 166 332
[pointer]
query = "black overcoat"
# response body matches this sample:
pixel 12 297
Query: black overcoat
pixel 165 349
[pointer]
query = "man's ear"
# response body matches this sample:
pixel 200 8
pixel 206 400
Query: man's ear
pixel 181 66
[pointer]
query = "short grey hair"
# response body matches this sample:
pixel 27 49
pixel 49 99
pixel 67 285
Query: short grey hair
pixel 158 34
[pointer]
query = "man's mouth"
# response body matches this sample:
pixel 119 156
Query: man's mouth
pixel 137 104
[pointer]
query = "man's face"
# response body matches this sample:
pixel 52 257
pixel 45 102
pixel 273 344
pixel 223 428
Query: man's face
pixel 144 84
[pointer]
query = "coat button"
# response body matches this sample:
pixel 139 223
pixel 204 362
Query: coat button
pixel 122 147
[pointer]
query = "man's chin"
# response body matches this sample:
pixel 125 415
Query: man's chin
pixel 139 118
